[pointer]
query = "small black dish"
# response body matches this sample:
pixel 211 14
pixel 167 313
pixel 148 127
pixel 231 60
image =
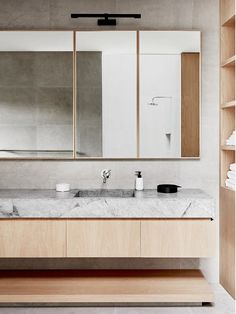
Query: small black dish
pixel 168 188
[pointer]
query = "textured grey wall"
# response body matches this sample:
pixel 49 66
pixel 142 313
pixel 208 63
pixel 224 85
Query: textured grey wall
pixel 36 102
pixel 156 14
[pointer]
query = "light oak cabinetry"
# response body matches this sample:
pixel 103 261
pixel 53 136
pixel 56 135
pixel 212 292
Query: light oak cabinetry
pixel 32 238
pixel 177 238
pixel 103 238
pixel 227 153
pixel 227 240
pixel 127 238
pixel 190 98
pixel 106 238
pixel 106 287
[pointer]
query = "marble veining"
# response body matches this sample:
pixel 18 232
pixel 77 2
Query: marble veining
pixel 187 203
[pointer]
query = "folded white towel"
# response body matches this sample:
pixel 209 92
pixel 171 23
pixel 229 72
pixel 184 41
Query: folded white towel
pixel 232 167
pixel 230 181
pixel 232 139
pixel 231 186
pixel 231 142
pixel 231 174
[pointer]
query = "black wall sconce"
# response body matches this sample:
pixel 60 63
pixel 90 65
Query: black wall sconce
pixel 105 18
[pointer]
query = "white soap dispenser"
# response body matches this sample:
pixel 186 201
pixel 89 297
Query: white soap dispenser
pixel 138 181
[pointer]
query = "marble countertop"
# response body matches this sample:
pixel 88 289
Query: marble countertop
pixel 187 203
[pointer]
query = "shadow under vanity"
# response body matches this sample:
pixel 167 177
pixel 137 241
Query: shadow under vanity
pixel 102 95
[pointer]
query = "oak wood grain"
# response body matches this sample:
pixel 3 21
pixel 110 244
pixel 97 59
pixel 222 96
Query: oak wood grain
pixel 32 238
pixel 178 238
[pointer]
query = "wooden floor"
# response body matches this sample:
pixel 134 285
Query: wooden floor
pixel 104 286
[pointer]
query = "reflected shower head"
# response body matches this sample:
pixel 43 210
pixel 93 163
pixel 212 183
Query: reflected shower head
pixel 154 101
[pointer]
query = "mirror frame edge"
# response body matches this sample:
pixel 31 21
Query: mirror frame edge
pixel 74 104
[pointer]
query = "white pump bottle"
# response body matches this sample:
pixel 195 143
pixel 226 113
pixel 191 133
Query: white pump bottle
pixel 138 181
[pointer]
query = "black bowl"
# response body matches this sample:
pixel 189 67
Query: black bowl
pixel 168 188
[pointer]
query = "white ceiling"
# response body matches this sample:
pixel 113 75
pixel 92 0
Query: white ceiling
pixel 108 42
pixel 36 41
pixel 169 42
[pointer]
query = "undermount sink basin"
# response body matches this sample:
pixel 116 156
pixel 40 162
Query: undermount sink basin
pixel 105 193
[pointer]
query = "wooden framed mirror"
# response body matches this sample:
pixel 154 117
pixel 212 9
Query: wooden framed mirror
pixel 100 94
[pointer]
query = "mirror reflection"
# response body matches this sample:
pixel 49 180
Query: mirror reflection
pixel 169 94
pixel 136 95
pixel 106 94
pixel 36 108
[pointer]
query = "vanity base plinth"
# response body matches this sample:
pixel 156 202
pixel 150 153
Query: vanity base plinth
pixel 107 287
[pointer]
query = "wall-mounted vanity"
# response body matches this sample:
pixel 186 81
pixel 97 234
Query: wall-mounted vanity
pixel 99 94
pixel 44 224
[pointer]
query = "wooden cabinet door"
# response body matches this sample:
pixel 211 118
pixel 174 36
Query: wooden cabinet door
pixel 103 238
pixel 227 240
pixel 32 238
pixel 177 238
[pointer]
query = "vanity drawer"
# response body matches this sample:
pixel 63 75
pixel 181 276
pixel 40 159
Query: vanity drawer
pixel 103 238
pixel 32 238
pixel 177 238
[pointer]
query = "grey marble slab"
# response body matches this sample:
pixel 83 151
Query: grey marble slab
pixel 187 203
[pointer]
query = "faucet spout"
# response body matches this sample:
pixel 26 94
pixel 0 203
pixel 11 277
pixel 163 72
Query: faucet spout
pixel 105 174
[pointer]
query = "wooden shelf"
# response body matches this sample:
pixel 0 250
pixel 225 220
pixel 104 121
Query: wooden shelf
pixel 230 62
pixel 227 34
pixel 230 21
pixel 228 189
pixel 227 153
pixel 229 104
pixel 227 84
pixel 227 158
pixel 227 10
pixel 228 147
pixel 104 286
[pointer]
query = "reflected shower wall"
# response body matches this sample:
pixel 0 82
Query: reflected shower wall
pixel 160 106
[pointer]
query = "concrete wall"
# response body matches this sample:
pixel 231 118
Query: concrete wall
pixel 89 104
pixel 156 14
pixel 35 104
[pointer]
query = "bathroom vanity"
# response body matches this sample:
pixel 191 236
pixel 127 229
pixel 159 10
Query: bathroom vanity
pixel 74 95
pixel 119 224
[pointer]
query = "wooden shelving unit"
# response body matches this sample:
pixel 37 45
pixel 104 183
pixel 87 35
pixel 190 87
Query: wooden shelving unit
pixel 104 287
pixel 227 147
pixel 230 62
pixel 227 153
pixel 229 104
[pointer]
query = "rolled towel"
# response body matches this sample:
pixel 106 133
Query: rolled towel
pixel 231 186
pixel 231 174
pixel 231 182
pixel 232 139
pixel 231 142
pixel 232 167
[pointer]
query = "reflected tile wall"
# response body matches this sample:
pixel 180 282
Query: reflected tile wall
pixel 36 109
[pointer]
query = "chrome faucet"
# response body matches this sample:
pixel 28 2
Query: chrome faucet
pixel 105 174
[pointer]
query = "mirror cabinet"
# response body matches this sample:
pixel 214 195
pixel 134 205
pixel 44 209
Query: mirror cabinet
pixel 99 94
